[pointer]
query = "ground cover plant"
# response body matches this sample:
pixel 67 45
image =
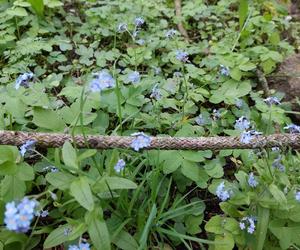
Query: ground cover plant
pixel 124 68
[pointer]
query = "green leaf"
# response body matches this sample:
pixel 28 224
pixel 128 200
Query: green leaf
pixel 60 180
pixel 262 227
pixel 48 119
pixel 56 237
pixel 18 11
pixel 278 194
pixel 81 191
pixel 214 225
pixel 25 172
pixel 97 230
pixel 38 6
pixel 12 188
pixel 112 183
pixel 147 227
pixel 125 241
pixel 69 155
pixel 236 74
pixel 171 160
pixel 243 12
pixel 8 168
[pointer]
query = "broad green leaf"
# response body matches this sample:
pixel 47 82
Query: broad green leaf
pixel 48 119
pixel 69 155
pixel 226 240
pixel 171 160
pixel 12 188
pixel 17 11
pixel 25 172
pixel 60 180
pixel 125 241
pixel 38 6
pixel 81 191
pixel 8 168
pixel 112 183
pixel 215 225
pixel 97 230
pixel 278 194
pixel 56 237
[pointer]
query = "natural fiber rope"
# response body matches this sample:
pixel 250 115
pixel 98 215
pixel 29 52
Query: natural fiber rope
pixel 52 140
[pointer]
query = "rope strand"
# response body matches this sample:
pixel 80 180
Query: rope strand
pixel 53 140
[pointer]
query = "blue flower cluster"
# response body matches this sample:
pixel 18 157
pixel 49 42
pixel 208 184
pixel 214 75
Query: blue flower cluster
pixel 248 136
pixel 248 223
pixel 182 56
pixel 120 166
pixel 293 129
pixel 216 114
pixel 134 77
pixel 23 80
pixel 155 93
pixel 252 180
pixel 140 141
pixel 122 27
pixel 297 196
pixel 239 103
pixel 222 193
pixel 81 246
pixel 277 164
pixel 139 21
pixel 224 70
pixel 171 33
pixel 27 147
pixel 103 80
pixel 242 123
pixel 272 100
pixel 18 217
pixel 200 120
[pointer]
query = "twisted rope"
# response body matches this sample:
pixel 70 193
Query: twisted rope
pixel 53 140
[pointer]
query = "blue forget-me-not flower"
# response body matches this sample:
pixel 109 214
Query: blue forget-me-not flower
pixel 272 100
pixel 297 196
pixel 248 136
pixel 171 33
pixel 182 56
pixel 248 223
pixel 27 147
pixel 239 103
pixel 103 80
pixel 277 164
pixel 139 21
pixel 293 129
pixel 122 27
pixel 82 246
pixel 224 70
pixel 252 180
pixel 242 123
pixel 140 141
pixel 18 217
pixel 222 193
pixel 23 80
pixel 156 93
pixel 134 77
pixel 200 120
pixel 120 165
